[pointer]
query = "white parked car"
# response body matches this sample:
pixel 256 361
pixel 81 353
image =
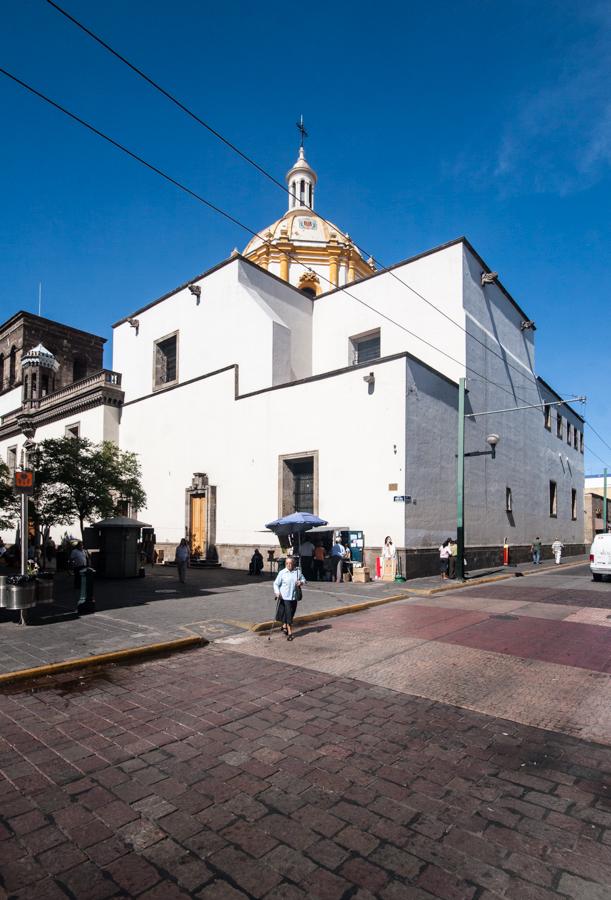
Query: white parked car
pixel 600 556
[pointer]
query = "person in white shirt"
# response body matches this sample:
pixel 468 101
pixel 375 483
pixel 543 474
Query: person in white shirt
pixel 285 590
pixel 557 548
pixel 445 551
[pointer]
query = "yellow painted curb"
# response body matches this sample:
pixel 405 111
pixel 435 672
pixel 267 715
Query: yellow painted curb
pixel 474 582
pixel 101 658
pixel 329 613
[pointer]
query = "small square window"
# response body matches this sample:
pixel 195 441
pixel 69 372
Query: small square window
pixel 573 504
pixel 166 361
pixel 508 500
pixel 547 412
pixel 553 500
pixel 365 347
pixel 73 430
pixel 559 426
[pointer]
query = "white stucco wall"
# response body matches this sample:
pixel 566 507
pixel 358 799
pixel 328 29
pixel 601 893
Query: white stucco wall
pixel 359 438
pixel 233 323
pixel 438 277
pixel 10 401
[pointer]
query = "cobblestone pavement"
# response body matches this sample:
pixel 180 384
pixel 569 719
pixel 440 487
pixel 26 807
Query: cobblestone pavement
pixel 216 774
pixel 377 755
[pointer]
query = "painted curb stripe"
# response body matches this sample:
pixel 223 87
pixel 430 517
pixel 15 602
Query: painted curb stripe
pixel 101 658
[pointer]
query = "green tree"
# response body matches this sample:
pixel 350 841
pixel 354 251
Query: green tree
pixel 79 480
pixel 8 500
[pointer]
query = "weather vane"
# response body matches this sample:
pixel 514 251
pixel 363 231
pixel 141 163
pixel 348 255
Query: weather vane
pixel 302 131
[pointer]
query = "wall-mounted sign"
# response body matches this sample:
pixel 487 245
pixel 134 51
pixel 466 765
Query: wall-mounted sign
pixel 402 498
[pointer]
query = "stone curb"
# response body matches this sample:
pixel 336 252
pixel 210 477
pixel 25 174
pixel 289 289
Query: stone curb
pixel 329 613
pixel 473 582
pixel 116 656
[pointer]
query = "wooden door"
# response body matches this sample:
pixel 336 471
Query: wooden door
pixel 198 525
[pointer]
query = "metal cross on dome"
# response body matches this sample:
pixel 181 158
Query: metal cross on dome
pixel 302 131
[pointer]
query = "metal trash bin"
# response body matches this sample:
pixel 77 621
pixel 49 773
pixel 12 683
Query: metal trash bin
pixel 20 592
pixel 44 587
pixel 3 590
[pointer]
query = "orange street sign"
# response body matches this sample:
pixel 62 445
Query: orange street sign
pixel 24 481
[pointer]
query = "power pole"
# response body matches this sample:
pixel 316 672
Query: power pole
pixel 460 484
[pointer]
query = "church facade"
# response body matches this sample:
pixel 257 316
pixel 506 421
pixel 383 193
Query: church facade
pixel 296 376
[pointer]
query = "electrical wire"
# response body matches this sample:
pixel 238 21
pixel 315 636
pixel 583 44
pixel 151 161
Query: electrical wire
pixel 246 228
pixel 383 268
pixel 240 224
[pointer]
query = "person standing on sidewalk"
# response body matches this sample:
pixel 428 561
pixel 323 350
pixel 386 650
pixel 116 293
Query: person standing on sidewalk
pixel 536 551
pixel 287 590
pixel 306 552
pixel 557 548
pixel 444 555
pixel 337 559
pixel 318 563
pixel 182 560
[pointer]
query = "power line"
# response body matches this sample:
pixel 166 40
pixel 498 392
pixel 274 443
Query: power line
pixel 240 224
pixel 268 175
pixel 247 158
pixel 236 221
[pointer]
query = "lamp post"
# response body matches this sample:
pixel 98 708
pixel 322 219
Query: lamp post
pixel 492 440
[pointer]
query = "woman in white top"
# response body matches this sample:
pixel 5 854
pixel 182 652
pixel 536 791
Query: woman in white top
pixel 445 551
pixel 389 551
pixel 285 588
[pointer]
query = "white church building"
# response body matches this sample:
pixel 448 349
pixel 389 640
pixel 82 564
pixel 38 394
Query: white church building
pixel 296 376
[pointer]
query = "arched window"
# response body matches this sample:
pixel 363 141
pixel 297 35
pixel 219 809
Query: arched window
pixel 294 193
pixel 1 371
pixel 310 291
pixel 12 366
pixel 311 194
pixel 302 192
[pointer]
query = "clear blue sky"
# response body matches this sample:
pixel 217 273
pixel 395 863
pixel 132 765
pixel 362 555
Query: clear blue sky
pixel 427 121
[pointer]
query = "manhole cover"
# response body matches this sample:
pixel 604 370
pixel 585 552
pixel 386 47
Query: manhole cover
pixel 506 617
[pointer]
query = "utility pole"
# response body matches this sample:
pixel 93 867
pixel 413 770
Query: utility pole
pixel 460 484
pixel 605 501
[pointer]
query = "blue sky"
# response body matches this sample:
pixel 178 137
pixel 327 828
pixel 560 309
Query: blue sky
pixel 426 122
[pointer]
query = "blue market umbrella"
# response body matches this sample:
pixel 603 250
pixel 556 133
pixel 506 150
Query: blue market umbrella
pixel 296 523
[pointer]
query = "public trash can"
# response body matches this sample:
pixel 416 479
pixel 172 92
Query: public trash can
pixel 20 592
pixel 3 590
pixel 44 587
pixel 86 601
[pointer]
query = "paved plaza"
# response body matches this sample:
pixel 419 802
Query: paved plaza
pixel 448 746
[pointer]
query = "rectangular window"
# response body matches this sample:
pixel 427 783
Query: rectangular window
pixel 298 483
pixel 73 430
pixel 553 507
pixel 365 347
pixel 573 504
pixel 548 416
pixel 11 459
pixel 166 361
pixel 559 426
pixel 581 441
pixel 508 500
pixel 575 438
pixel 569 433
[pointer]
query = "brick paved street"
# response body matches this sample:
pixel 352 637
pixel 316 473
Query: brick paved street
pixel 378 755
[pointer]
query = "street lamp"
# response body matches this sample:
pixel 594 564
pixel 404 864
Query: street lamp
pixel 492 440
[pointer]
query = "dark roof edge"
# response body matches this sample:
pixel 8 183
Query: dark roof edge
pixel 422 255
pixel 404 354
pixel 29 315
pixel 225 262
pixel 556 394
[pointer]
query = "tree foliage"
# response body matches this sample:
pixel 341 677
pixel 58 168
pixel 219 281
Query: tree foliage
pixel 79 480
pixel 8 500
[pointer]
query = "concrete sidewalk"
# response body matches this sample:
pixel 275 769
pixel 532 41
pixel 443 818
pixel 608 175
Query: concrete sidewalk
pixel 215 603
